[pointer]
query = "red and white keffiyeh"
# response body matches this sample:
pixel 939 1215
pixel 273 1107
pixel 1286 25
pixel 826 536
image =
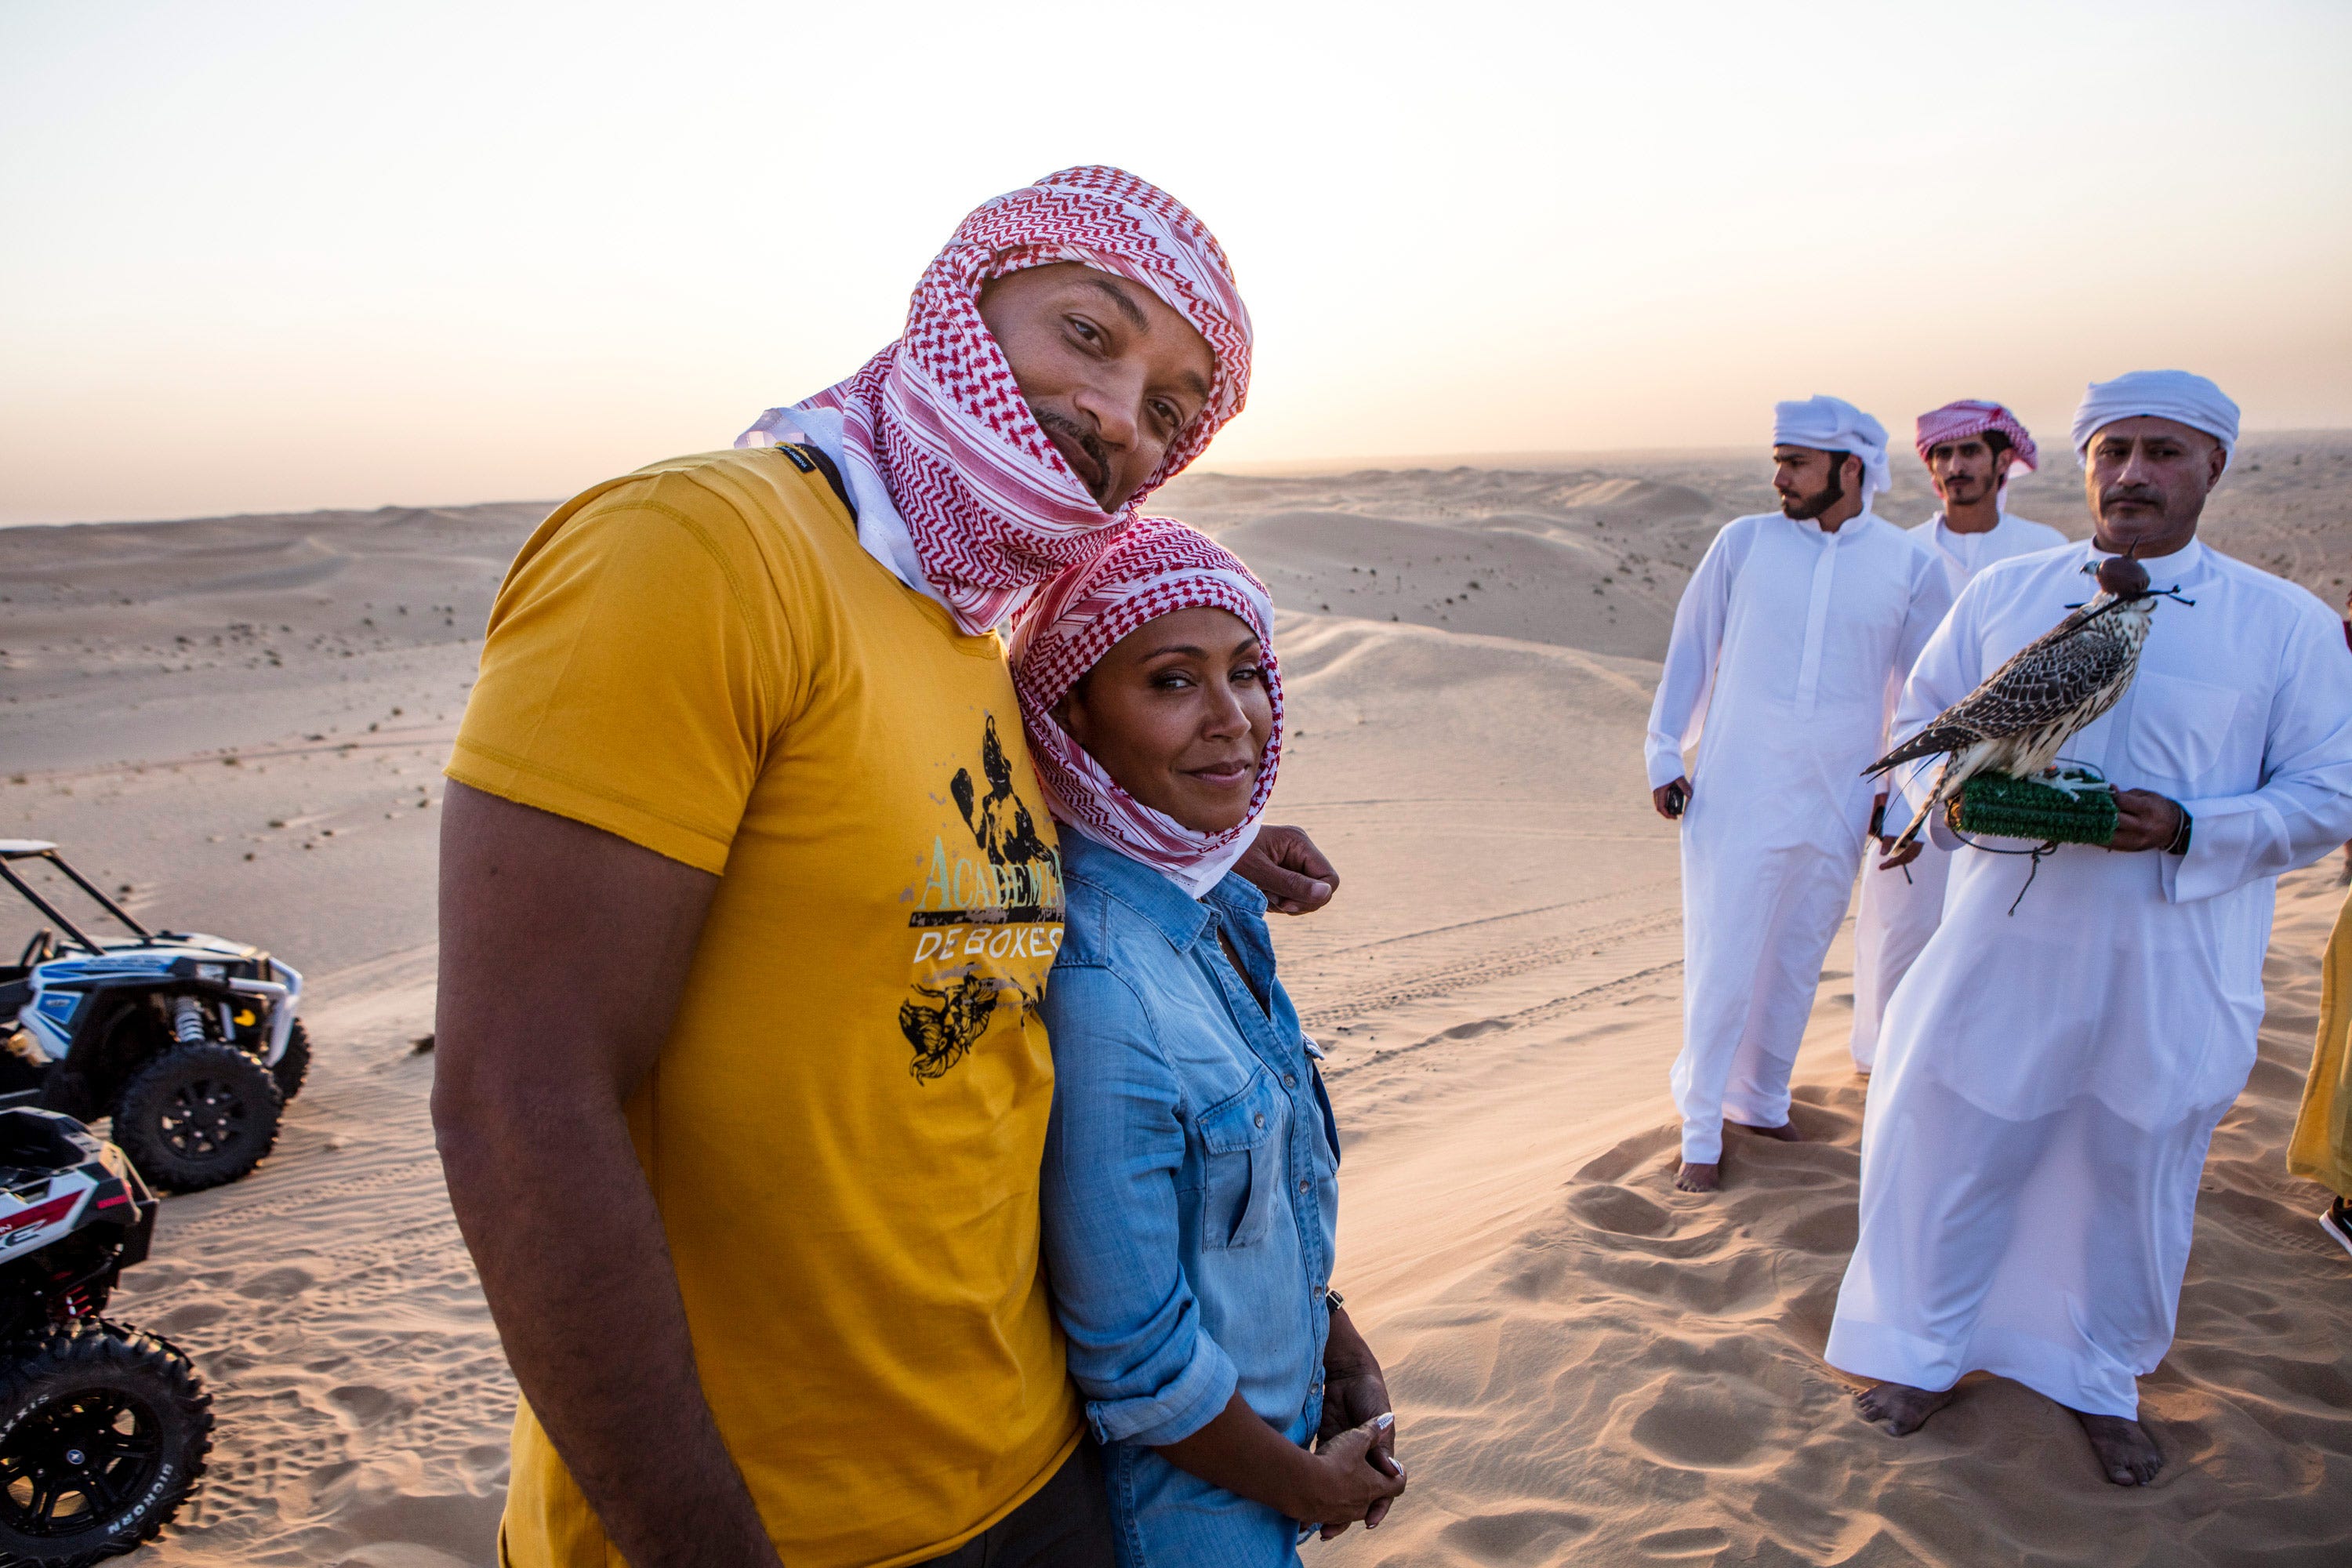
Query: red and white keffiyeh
pixel 1157 566
pixel 938 425
pixel 1974 416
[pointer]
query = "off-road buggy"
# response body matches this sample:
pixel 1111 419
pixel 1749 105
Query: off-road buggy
pixel 189 1042
pixel 103 1429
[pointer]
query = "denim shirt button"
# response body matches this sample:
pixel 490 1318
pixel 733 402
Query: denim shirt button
pixel 1305 1184
pixel 1289 1080
pixel 1259 1119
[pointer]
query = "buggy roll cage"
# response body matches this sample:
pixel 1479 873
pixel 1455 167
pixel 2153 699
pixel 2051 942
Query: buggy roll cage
pixel 13 850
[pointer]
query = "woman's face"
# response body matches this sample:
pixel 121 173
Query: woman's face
pixel 1178 714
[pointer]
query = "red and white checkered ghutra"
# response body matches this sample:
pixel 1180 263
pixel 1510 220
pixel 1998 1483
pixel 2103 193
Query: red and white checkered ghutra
pixel 991 505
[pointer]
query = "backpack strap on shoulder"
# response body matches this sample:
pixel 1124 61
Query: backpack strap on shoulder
pixel 809 460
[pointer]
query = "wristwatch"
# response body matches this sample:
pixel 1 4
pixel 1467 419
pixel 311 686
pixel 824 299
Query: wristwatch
pixel 2180 845
pixel 1333 1297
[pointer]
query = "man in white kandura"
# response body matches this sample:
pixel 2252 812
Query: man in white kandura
pixel 2048 1081
pixel 1971 448
pixel 1787 643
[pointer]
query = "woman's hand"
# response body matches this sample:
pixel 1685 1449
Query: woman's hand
pixel 1348 1478
pixel 1355 1397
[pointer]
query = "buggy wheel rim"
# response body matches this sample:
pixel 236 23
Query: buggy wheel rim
pixel 202 1119
pixel 75 1462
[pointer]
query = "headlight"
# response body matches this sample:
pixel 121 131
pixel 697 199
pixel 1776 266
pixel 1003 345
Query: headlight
pixel 212 972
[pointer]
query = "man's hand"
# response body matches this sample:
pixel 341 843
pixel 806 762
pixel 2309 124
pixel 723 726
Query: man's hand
pixel 1284 864
pixel 1354 1393
pixel 564 952
pixel 1672 799
pixel 1903 856
pixel 2144 820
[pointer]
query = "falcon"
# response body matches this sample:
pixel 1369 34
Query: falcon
pixel 2015 723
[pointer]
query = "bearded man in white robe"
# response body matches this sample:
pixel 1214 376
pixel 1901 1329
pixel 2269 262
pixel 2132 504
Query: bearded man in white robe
pixel 1972 448
pixel 2048 1081
pixel 1790 640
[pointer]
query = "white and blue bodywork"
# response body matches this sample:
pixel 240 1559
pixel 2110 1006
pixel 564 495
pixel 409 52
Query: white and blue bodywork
pixel 257 996
pixel 66 996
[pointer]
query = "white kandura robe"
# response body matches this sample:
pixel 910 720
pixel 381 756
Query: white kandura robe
pixel 1785 646
pixel 2048 1081
pixel 1897 913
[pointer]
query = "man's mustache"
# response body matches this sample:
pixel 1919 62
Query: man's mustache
pixel 2131 495
pixel 1054 423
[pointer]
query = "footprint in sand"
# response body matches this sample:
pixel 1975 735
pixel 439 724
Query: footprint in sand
pixel 278 1284
pixel 1621 1211
pixel 368 1403
pixel 1521 1535
pixel 188 1319
pixel 1697 1427
pixel 1670 1545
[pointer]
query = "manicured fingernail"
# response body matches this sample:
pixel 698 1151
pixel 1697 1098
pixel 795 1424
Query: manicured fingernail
pixel 1385 1420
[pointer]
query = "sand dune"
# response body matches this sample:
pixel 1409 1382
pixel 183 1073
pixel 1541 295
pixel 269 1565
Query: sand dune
pixel 1635 1376
pixel 1577 558
pixel 1642 519
pixel 135 642
pixel 1591 1368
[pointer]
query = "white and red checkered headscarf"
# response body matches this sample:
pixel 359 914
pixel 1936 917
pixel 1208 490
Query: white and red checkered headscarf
pixel 1974 416
pixel 1157 567
pixel 937 424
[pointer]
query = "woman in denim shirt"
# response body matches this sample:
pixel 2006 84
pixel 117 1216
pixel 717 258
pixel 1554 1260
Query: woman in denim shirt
pixel 1190 1190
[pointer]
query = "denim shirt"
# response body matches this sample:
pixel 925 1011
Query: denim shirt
pixel 1191 1197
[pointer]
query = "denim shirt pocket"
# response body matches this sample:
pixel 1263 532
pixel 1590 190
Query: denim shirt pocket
pixel 1245 1159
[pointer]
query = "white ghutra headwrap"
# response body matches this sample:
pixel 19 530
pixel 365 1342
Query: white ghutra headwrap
pixel 1156 567
pixel 1834 425
pixel 2174 394
pixel 947 462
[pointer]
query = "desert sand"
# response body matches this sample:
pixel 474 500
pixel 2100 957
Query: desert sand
pixel 241 721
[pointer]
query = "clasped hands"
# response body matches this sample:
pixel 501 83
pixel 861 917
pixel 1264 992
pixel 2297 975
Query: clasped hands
pixel 1354 1395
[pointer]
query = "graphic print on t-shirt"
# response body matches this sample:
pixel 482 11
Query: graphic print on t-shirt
pixel 989 922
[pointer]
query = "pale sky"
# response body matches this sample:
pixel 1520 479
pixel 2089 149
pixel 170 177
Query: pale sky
pixel 268 256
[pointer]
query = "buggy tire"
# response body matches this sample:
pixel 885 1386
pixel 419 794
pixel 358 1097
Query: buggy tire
pixel 291 1068
pixel 104 1431
pixel 197 1116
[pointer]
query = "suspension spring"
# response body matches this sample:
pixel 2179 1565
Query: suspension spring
pixel 187 1021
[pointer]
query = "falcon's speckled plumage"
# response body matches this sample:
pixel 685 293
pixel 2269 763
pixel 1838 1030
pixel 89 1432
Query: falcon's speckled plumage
pixel 2015 721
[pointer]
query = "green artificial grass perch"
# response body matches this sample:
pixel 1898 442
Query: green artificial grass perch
pixel 1998 806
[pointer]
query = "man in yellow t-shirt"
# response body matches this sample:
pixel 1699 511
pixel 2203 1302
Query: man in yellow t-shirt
pixel 748 902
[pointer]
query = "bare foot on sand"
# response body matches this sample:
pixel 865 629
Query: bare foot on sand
pixel 1697 1177
pixel 1898 1409
pixel 2126 1453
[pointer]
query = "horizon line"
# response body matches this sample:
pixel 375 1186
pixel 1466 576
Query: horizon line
pixel 1266 468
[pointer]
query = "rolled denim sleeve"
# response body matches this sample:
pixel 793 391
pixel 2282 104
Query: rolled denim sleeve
pixel 1113 1152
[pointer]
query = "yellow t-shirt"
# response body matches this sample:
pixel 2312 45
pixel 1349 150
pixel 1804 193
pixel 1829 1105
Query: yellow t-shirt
pixel 844 1128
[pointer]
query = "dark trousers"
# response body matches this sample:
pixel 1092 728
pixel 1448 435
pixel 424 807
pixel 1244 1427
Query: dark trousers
pixel 1065 1524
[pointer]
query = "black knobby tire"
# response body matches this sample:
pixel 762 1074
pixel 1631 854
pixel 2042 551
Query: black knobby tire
pixel 197 1116
pixel 291 1068
pixel 103 1433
